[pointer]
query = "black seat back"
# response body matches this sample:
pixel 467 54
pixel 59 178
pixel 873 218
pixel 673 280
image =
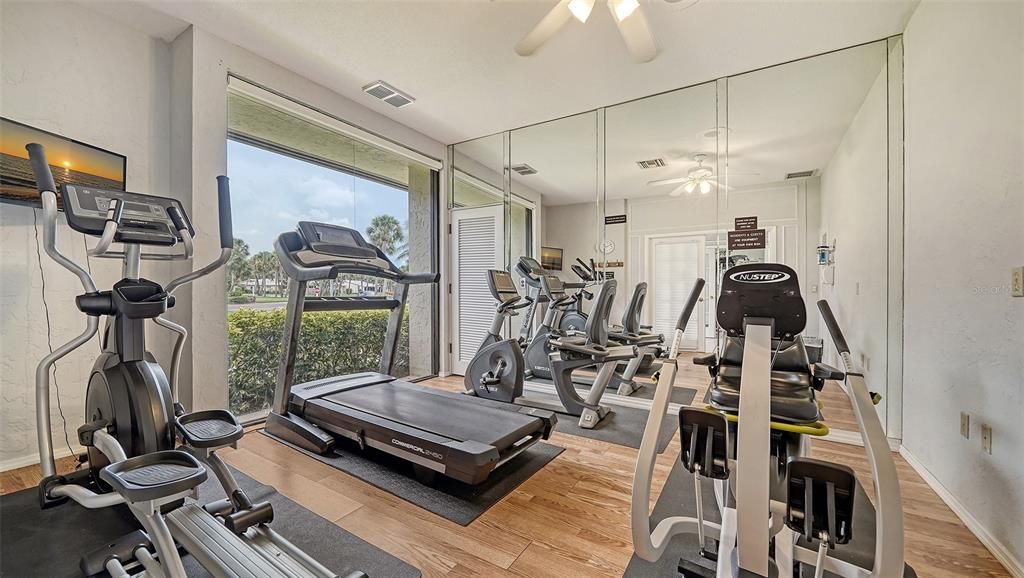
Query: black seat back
pixel 766 290
pixel 597 323
pixel 634 309
pixel 791 356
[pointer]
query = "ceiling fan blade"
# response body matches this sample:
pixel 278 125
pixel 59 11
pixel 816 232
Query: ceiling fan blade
pixel 667 181
pixel 552 22
pixel 677 191
pixel 634 28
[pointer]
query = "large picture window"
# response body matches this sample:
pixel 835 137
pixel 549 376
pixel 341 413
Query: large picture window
pixel 285 169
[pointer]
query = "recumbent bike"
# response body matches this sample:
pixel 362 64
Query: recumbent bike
pixel 133 417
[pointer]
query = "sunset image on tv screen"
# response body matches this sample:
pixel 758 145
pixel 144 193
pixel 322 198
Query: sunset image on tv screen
pixel 70 162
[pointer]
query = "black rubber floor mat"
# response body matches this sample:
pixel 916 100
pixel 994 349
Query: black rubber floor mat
pixel 448 498
pixel 49 542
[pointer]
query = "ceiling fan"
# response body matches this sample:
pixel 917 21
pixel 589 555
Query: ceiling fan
pixel 627 14
pixel 699 177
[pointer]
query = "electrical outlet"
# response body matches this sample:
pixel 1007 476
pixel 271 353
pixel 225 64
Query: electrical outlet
pixel 1017 286
pixel 965 425
pixel 986 438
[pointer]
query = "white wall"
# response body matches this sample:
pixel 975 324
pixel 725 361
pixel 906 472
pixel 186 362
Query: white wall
pixel 964 346
pixel 854 214
pixel 74 72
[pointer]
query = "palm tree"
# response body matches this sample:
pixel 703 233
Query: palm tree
pixel 238 264
pixel 264 265
pixel 386 232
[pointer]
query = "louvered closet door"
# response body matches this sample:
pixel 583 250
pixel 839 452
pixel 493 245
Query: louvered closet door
pixel 477 244
pixel 674 264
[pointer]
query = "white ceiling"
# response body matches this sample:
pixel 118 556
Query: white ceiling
pixel 456 57
pixel 781 119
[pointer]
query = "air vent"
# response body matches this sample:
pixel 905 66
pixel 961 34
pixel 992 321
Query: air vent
pixel 388 94
pixel 651 164
pixel 800 174
pixel 524 169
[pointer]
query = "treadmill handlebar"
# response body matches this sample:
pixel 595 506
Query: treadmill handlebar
pixel 415 278
pixel 300 272
pixel 833 327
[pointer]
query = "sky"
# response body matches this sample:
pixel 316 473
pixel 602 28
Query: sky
pixel 271 193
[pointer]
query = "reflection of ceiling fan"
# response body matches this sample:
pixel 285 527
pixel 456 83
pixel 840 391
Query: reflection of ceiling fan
pixel 628 16
pixel 699 177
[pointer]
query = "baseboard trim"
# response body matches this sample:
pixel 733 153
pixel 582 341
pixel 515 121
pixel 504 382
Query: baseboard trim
pixel 853 438
pixel 31 460
pixel 997 548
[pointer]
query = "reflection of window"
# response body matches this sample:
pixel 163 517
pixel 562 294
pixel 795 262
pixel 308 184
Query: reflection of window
pixel 285 169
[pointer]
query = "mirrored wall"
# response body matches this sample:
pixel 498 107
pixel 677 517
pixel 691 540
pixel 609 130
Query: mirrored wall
pixel 798 164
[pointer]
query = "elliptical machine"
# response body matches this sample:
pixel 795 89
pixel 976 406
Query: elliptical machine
pixel 497 370
pixel 133 418
pixel 751 441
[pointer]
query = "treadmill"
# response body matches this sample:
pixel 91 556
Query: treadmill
pixel 438 432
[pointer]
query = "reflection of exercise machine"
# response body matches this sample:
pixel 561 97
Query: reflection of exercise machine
pixel 437 431
pixel 132 412
pixel 497 370
pixel 571 316
pixel 538 353
pixel 758 464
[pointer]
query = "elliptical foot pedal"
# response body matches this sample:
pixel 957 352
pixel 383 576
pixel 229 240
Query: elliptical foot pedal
pixel 705 442
pixel 213 428
pixel 688 569
pixel 819 504
pixel 151 477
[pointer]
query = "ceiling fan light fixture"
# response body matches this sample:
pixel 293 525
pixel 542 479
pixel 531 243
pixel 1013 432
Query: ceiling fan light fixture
pixel 623 9
pixel 705 187
pixel 581 9
pixel 690 186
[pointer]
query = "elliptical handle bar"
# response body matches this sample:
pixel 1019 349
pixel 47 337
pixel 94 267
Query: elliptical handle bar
pixel 40 168
pixel 48 193
pixel 647 543
pixel 227 237
pixel 833 327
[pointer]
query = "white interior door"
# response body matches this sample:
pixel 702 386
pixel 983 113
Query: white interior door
pixel 477 244
pixel 675 263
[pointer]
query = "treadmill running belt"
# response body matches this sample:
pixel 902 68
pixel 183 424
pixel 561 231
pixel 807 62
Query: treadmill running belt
pixel 452 415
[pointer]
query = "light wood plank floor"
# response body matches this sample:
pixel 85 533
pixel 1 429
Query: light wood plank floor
pixel 569 519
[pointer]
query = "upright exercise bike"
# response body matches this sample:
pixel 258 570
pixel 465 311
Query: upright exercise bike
pixel 133 418
pixel 498 368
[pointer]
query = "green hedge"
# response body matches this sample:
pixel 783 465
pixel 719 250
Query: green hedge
pixel 332 343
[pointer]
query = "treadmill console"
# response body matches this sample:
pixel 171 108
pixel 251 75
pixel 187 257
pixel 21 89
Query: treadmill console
pixel 144 221
pixel 327 244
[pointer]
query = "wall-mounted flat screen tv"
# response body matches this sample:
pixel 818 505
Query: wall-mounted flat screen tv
pixel 71 161
pixel 551 258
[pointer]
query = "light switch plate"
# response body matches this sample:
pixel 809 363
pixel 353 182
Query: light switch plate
pixel 1017 285
pixel 986 438
pixel 965 425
